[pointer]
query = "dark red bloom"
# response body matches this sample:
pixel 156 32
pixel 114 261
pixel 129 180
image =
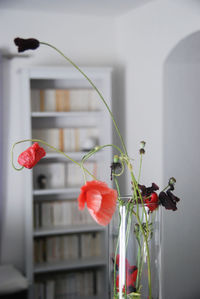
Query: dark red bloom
pixel 31 156
pixel 100 200
pixel 168 200
pixel 147 191
pixel 152 202
pixel 26 44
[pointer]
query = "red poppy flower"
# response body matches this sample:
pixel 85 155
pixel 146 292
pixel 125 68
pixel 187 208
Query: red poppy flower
pixel 126 261
pixel 31 156
pixel 130 281
pixel 152 202
pixel 100 200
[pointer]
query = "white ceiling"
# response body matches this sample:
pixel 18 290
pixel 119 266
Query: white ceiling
pixel 94 7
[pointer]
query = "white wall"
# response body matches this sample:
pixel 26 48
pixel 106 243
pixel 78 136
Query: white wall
pixel 146 38
pixel 87 40
pixel 181 158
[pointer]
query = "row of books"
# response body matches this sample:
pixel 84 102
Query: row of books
pixel 60 214
pixel 70 286
pixel 68 139
pixel 67 247
pixel 61 175
pixel 51 100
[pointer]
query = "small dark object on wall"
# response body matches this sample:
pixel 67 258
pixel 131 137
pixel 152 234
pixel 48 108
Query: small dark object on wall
pixel 42 181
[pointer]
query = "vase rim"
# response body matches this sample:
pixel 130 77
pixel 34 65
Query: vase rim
pixel 126 198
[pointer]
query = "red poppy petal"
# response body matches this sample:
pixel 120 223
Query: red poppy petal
pixel 134 275
pixel 81 200
pixel 98 185
pixel 108 206
pixel 94 200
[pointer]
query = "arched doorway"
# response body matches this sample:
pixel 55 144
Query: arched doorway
pixel 181 127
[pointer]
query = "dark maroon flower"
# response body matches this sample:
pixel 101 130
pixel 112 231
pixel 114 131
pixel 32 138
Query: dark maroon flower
pixel 26 44
pixel 147 191
pixel 168 200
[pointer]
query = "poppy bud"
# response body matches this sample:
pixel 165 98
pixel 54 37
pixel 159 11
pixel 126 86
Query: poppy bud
pixel 142 146
pixel 26 44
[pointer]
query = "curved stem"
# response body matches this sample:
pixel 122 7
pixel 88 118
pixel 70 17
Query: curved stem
pixel 52 147
pixel 94 86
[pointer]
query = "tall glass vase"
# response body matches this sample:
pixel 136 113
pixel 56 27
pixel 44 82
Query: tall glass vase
pixel 135 251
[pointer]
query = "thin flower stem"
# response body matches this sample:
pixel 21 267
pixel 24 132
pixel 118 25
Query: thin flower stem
pixel 165 188
pixel 136 190
pixel 98 148
pixel 117 245
pixel 140 267
pixel 52 147
pixel 148 255
pixel 117 186
pixel 139 175
pixel 115 257
pixel 94 86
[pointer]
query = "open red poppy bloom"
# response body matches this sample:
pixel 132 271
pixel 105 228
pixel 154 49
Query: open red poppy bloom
pixel 31 156
pixel 100 200
pixel 152 202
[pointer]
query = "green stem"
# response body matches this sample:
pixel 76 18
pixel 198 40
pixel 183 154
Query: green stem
pixel 95 88
pixel 117 245
pixel 165 188
pixel 139 175
pixel 116 249
pixel 148 255
pixel 97 149
pixel 136 190
pixel 52 147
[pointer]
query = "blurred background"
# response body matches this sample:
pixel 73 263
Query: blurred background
pixel 153 48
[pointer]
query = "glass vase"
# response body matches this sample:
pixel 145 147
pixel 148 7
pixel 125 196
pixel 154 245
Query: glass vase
pixel 135 251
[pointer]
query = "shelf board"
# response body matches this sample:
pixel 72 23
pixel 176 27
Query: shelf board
pixel 66 114
pixel 70 265
pixel 67 230
pixel 74 155
pixel 68 191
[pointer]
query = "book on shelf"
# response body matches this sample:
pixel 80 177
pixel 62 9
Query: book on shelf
pixel 60 248
pixel 91 245
pixel 50 289
pixel 52 214
pixel 67 139
pixel 64 100
pixel 56 248
pixel 69 285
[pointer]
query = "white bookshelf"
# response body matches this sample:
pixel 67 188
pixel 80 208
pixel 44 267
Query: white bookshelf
pixel 41 78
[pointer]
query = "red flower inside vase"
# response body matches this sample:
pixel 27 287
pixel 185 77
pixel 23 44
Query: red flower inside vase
pixel 131 276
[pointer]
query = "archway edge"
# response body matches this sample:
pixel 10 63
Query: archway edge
pixel 186 47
